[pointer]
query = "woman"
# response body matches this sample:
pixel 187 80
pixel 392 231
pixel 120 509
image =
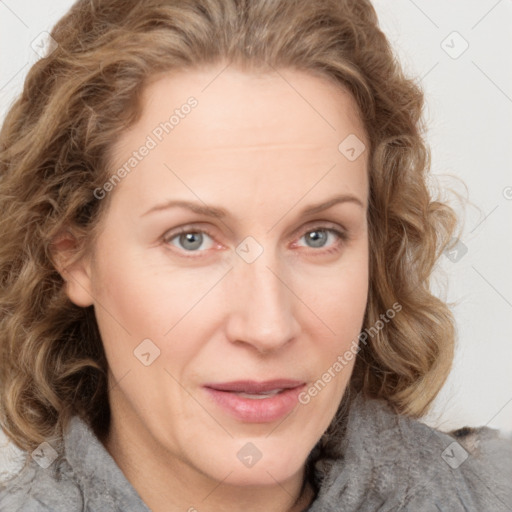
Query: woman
pixel 217 243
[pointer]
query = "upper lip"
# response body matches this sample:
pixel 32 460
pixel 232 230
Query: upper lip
pixel 252 386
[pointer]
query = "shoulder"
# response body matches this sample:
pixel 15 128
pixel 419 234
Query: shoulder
pixel 484 458
pixel 391 459
pixel 71 474
pixel 466 469
pixel 36 488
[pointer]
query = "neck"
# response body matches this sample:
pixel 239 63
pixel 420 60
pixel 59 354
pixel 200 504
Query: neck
pixel 168 483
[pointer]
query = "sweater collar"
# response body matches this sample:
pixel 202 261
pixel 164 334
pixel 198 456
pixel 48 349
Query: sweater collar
pixel 103 483
pixel 380 458
pixel 385 460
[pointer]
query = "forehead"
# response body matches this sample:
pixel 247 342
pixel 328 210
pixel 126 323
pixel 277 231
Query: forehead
pixel 246 129
pixel 257 108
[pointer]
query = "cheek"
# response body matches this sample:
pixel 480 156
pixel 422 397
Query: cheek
pixel 338 295
pixel 133 294
pixel 339 307
pixel 139 301
pixel 339 312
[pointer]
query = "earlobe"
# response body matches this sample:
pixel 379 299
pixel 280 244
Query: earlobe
pixel 76 272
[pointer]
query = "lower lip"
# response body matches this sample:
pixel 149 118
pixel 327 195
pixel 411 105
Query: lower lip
pixel 254 410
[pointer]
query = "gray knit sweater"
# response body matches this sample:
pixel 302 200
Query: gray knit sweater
pixel 387 463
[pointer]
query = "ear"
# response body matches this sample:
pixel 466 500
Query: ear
pixel 76 272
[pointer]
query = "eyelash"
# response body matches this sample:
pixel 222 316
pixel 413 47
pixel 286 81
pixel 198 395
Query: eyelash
pixel 340 234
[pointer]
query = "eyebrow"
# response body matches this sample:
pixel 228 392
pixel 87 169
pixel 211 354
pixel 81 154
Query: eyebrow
pixel 219 213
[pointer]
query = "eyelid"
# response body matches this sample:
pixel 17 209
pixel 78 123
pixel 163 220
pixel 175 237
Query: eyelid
pixel 320 224
pixel 189 228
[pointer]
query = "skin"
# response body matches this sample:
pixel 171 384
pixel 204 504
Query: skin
pixel 263 152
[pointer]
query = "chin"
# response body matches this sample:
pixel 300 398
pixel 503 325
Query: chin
pixel 262 475
pixel 257 462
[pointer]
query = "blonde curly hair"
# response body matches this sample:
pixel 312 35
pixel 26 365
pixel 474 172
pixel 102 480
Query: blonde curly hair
pixel 54 152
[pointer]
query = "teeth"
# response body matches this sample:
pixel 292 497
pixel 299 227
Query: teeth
pixel 260 396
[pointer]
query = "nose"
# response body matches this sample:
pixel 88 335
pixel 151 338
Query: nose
pixel 262 305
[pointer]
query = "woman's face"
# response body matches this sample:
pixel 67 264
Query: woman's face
pixel 231 271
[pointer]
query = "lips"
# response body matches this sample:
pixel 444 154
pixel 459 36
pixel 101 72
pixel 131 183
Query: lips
pixel 256 401
pixel 254 387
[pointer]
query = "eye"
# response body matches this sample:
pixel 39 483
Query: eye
pixel 320 236
pixel 190 240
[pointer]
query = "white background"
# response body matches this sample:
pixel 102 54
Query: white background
pixel 469 115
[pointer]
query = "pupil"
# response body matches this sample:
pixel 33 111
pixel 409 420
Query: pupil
pixel 317 238
pixel 191 240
